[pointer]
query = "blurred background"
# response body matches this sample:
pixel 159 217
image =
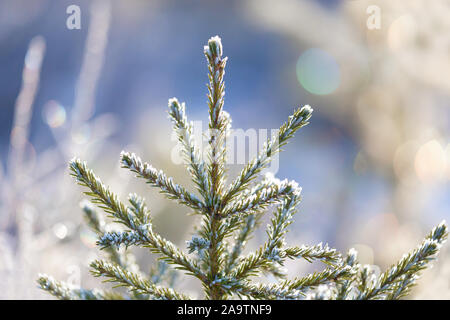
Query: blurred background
pixel 374 163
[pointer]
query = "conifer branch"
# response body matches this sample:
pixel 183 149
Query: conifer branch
pixel 275 269
pixel 319 252
pixel 173 255
pixel 139 208
pixel 92 217
pixel 400 277
pixel 63 291
pixel 218 119
pixel 160 272
pixel 269 292
pixel 296 121
pixel 344 286
pixel 317 278
pixel 111 204
pixel 262 197
pixel 145 236
pixel 365 279
pixel 195 163
pixel 133 282
pixel 214 231
pixel 219 123
pixel 271 251
pixel 94 221
pixel 159 179
pixel 101 195
pixel 292 289
pixel 126 238
pixel 248 227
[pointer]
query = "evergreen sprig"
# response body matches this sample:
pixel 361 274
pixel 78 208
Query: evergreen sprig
pixel 123 277
pixel 63 291
pixel 229 217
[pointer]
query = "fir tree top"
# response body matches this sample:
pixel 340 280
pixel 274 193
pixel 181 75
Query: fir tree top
pixel 229 216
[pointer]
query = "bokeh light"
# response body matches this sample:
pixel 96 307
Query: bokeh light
pixel 402 32
pixel 318 72
pixel 54 114
pixel 60 230
pixel 430 162
pixel 88 237
pixel 403 162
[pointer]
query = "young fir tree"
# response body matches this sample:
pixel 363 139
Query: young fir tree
pixel 229 216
